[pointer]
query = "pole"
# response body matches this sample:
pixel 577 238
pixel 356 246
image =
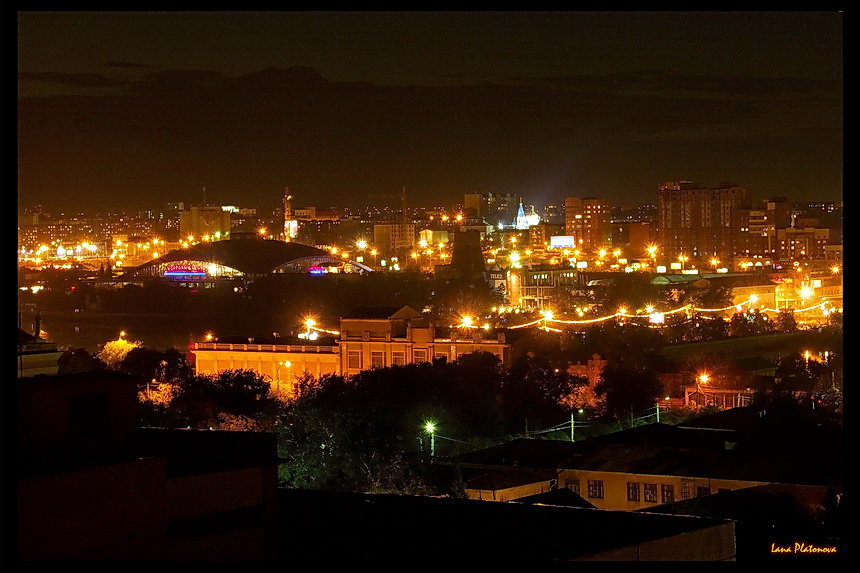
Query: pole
pixel 658 412
pixel 572 426
pixel 432 444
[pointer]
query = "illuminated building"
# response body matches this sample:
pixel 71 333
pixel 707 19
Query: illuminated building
pixel 806 243
pixel 392 238
pixel 209 220
pixel 372 337
pixel 203 264
pixel 475 205
pixel 291 225
pixel 587 220
pixel 524 221
pixel 539 235
pixel 282 361
pixel 700 221
pixel 382 337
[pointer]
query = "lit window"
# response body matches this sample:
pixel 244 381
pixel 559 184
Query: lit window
pixel 632 491
pixel 572 485
pixel 668 492
pixel 595 488
pixel 353 359
pixel 651 492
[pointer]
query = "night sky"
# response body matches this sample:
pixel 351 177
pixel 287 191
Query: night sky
pixel 132 110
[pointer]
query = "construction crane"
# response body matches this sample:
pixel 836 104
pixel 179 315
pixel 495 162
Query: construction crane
pixel 401 196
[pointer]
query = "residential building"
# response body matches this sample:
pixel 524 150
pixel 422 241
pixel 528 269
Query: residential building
pixel 804 243
pixel 204 220
pixel 379 337
pixel 369 337
pixel 700 222
pixel 393 238
pixel 587 220
pixel 36 355
pixel 659 464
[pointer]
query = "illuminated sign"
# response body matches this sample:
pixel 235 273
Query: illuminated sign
pixel 184 269
pixel 561 241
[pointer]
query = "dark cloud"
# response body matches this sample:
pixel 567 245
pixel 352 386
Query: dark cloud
pixel 336 143
pixel 76 80
pixel 125 65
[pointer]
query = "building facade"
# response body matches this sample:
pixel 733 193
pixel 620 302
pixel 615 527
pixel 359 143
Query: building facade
pixel 699 222
pixel 587 220
pixel 371 338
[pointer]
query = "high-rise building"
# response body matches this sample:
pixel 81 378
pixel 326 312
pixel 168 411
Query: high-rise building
pixel 700 222
pixel 587 219
pixel 392 238
pixel 207 220
pixel 475 205
pixel 467 260
pixel 798 244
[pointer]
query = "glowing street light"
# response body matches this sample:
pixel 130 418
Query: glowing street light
pixel 430 428
pixel 701 380
pixel 286 364
pixel 547 316
pixel 361 244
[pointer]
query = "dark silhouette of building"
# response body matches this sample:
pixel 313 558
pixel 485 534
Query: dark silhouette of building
pixel 467 259
pixel 92 485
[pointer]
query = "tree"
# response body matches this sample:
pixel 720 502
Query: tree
pixel 115 351
pixel 200 399
pixel 785 321
pixel 750 323
pixel 536 391
pixel 628 390
pixel 162 365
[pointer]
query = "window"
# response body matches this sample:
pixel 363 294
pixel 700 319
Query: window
pixel 595 488
pixel 572 485
pixel 651 492
pixel 353 359
pixel 632 491
pixel 419 356
pixel 398 358
pixel 442 355
pixel 668 492
pixel 377 359
pixel 703 491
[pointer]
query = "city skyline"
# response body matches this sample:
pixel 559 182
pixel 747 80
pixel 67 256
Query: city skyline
pixel 122 110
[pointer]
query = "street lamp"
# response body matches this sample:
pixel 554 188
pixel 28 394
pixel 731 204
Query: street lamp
pixel 430 427
pixel 285 363
pixel 547 316
pixel 573 423
pixel 702 380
